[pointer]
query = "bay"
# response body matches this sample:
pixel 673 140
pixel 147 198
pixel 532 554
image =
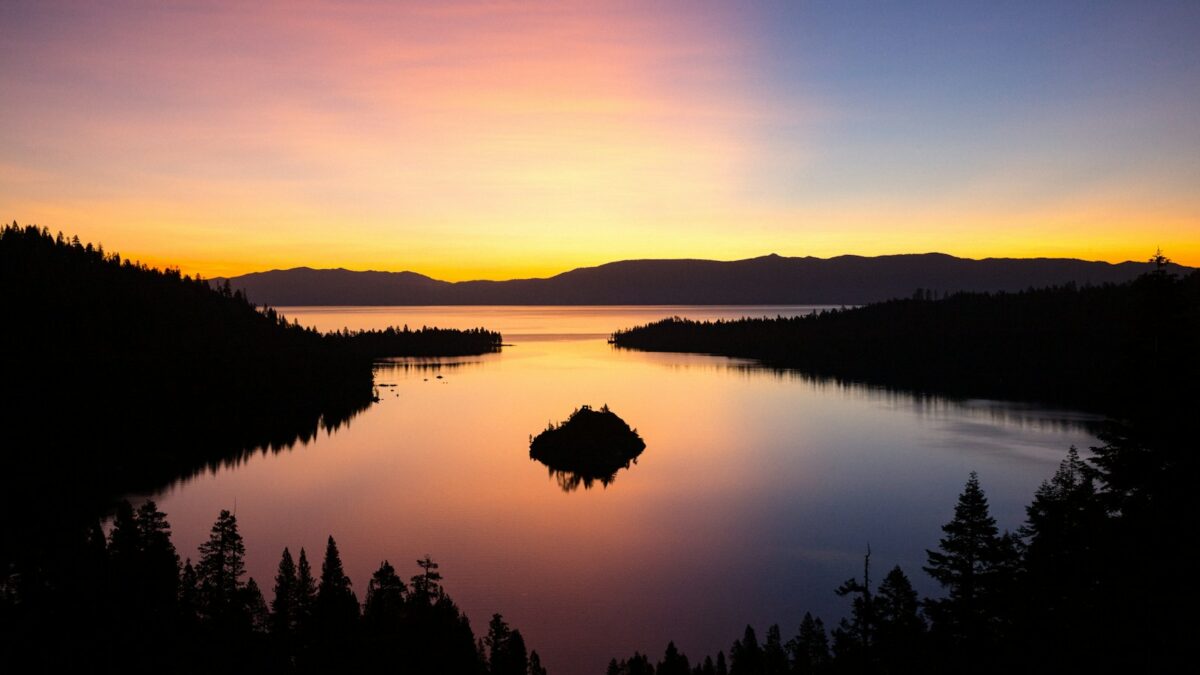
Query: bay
pixel 759 490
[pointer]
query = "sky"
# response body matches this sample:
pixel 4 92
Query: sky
pixel 511 138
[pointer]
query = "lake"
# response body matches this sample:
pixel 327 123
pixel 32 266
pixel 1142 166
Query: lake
pixel 758 492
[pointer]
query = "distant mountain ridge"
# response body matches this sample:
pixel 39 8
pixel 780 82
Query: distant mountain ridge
pixel 766 280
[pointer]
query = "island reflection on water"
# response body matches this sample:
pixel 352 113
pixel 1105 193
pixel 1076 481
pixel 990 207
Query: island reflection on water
pixel 757 496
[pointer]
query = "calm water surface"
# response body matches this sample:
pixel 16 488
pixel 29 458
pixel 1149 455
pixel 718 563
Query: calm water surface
pixel 757 494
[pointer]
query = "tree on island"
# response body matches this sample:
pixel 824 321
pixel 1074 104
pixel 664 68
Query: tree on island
pixel 590 445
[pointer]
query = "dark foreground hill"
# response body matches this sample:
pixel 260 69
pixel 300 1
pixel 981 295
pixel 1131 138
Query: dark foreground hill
pixel 770 279
pixel 120 377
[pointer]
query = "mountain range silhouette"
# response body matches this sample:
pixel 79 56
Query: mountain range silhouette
pixel 765 280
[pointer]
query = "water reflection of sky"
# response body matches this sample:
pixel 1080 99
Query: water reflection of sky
pixel 757 494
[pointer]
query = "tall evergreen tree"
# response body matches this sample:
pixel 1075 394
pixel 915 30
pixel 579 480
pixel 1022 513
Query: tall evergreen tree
pixel 775 661
pixel 256 607
pixel 384 608
pixel 673 663
pixel 283 606
pixel 219 573
pixel 143 564
pixel 337 606
pixel 746 656
pixel 426 586
pixel 535 664
pixel 1068 529
pixel 975 564
pixel 159 560
pixel 306 595
pixel 189 594
pixel 1064 525
pixel 506 649
pixel 900 629
pixel 124 562
pixel 809 650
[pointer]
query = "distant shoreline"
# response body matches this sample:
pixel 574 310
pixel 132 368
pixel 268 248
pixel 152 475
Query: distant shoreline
pixel 766 281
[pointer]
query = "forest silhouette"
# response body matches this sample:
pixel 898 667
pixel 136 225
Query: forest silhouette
pixel 1093 347
pixel 125 602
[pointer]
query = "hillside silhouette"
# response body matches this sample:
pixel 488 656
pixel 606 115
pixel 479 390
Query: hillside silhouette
pixel 121 378
pixel 1096 347
pixel 849 280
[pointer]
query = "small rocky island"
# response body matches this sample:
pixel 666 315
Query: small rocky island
pixel 590 445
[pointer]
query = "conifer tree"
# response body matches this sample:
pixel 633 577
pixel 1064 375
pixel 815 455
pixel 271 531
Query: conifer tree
pixel 975 564
pixel 386 592
pixel 255 607
pixel 506 649
pixel 673 663
pixel 745 656
pixel 337 606
pixel 159 562
pixel 220 570
pixel 426 586
pixel 535 664
pixel 1068 528
pixel 124 561
pixel 189 593
pixel 306 594
pixel 1065 520
pixel 283 606
pixel 775 660
pixel 900 629
pixel 809 650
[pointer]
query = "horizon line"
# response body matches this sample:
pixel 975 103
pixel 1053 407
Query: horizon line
pixel 687 259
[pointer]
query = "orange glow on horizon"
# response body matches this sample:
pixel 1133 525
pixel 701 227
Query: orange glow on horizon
pixel 514 139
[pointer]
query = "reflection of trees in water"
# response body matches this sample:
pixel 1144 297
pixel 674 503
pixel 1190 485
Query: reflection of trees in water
pixel 405 365
pixel 1027 415
pixel 571 481
pixel 284 434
